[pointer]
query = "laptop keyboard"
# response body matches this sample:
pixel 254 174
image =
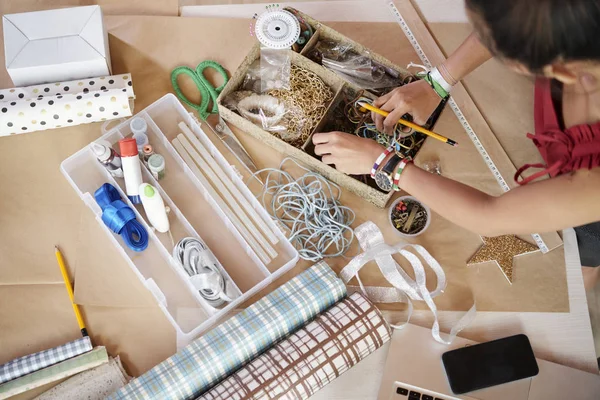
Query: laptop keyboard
pixel 403 393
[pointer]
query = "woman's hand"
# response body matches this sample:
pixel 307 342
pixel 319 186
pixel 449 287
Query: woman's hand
pixel 417 99
pixel 350 154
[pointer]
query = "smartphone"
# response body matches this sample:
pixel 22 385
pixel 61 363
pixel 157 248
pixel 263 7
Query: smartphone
pixel 490 364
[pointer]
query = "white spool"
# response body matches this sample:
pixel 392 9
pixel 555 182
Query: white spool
pixel 278 29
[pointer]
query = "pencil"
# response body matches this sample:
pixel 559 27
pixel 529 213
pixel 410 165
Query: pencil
pixel 410 124
pixel 63 271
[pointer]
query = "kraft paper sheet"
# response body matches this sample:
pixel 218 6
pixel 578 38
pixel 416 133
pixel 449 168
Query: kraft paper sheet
pixel 540 280
pixel 40 209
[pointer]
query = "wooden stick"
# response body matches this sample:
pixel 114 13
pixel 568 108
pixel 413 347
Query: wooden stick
pixel 224 178
pixel 218 185
pixel 228 212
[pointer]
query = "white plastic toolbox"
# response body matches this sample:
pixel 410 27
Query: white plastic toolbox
pixel 193 213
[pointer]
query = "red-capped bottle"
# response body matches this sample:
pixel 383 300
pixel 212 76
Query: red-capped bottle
pixel 132 170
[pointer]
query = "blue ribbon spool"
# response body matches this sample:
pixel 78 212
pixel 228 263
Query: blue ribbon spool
pixel 120 218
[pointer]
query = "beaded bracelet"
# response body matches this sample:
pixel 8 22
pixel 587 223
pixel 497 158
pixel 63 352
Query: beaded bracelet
pixel 401 166
pixel 380 159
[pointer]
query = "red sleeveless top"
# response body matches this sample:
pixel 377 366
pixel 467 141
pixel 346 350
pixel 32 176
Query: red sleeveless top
pixel 563 150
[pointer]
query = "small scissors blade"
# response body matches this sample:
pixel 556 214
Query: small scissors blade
pixel 223 132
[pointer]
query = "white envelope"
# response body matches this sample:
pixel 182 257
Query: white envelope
pixel 56 45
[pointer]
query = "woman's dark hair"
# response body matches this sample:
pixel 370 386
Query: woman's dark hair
pixel 537 33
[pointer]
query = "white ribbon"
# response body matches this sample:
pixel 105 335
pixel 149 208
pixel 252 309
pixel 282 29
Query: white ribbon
pixel 201 265
pixel 404 287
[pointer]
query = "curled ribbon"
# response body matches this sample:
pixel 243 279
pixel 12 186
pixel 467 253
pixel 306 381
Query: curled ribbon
pixel 404 289
pixel 120 218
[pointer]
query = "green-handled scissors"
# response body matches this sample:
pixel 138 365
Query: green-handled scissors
pixel 209 94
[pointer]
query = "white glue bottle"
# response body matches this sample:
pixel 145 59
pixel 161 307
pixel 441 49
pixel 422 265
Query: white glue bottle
pixel 108 157
pixel 132 170
pixel 154 207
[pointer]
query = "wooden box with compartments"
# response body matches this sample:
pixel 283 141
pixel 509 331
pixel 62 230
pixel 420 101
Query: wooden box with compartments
pixel 349 70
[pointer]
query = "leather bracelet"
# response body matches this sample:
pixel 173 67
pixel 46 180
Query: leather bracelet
pixel 446 74
pixel 380 159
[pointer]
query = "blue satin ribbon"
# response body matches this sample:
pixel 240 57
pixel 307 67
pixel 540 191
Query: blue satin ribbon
pixel 120 218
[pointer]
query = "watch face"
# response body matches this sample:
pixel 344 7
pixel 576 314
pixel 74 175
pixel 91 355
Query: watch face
pixel 384 181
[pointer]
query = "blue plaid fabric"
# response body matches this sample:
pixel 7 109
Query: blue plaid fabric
pixel 227 347
pixel 33 362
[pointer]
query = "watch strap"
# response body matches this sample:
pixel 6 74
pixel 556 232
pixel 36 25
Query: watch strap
pixel 389 167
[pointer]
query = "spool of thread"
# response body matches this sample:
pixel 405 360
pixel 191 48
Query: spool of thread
pixel 132 170
pixel 108 157
pixel 147 152
pixel 138 125
pixel 141 140
pixel 156 164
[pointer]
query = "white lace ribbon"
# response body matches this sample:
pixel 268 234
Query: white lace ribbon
pixel 404 289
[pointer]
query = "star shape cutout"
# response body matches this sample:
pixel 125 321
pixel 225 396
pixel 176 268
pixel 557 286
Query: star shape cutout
pixel 502 250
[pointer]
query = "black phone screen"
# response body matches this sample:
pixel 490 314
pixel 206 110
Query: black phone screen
pixel 489 364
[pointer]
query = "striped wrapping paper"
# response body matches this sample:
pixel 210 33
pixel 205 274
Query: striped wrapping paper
pixel 32 362
pixel 53 373
pixel 227 347
pixel 308 360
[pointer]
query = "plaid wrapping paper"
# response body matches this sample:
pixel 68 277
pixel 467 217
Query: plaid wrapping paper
pixel 309 359
pixel 228 346
pixel 33 362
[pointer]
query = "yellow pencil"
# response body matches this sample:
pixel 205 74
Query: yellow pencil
pixel 410 124
pixel 63 271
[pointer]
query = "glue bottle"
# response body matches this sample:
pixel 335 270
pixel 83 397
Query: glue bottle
pixel 154 207
pixel 132 170
pixel 108 157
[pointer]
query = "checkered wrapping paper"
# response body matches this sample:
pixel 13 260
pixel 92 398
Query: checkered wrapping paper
pixel 227 347
pixel 309 359
pixel 33 362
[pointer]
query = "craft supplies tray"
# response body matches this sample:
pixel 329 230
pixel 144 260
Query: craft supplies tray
pixel 194 212
pixel 341 87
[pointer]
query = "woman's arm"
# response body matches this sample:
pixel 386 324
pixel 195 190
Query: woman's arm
pixel 418 98
pixel 465 59
pixel 563 202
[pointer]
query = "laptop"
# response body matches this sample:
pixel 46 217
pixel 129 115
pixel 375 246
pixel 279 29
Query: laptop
pixel 414 370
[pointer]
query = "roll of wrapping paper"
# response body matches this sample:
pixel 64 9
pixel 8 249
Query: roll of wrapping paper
pixel 227 347
pixel 32 362
pixel 53 373
pixel 60 104
pixel 93 384
pixel 309 359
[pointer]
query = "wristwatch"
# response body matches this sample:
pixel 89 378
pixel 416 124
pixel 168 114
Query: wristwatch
pixel 383 177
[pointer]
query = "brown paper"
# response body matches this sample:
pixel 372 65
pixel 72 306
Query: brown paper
pixel 40 209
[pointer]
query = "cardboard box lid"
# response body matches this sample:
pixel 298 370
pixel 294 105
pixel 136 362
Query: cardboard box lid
pixel 54 37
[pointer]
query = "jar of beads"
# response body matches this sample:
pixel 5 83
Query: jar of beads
pixel 409 217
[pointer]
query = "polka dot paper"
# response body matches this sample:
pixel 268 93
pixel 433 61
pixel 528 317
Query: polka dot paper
pixel 56 105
